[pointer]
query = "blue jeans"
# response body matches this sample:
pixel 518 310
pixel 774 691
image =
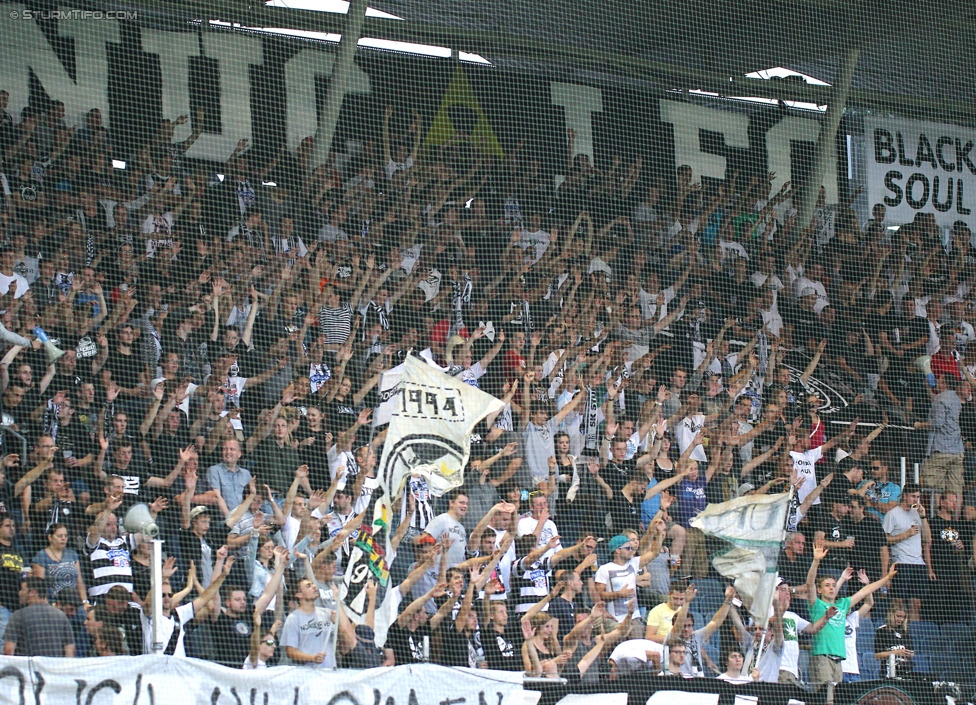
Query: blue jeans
pixel 852 677
pixel 5 615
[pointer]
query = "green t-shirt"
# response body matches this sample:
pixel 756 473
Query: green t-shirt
pixel 829 641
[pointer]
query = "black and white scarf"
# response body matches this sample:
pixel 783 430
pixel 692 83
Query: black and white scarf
pixel 591 420
pixel 460 300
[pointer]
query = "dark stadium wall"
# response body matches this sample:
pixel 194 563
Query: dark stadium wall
pixel 261 87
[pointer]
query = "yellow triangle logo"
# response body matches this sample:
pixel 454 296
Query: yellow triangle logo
pixel 459 94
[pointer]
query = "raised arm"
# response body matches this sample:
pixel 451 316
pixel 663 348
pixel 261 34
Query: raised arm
pixel 875 586
pixel 819 553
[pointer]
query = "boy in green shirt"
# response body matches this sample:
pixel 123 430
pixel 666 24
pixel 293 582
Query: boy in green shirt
pixel 828 644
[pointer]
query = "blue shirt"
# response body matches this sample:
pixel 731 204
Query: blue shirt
pixel 888 492
pixel 650 507
pixel 231 484
pixel 691 500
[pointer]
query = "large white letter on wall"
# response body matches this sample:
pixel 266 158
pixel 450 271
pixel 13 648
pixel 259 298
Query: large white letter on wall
pixel 778 145
pixel 25 46
pixel 235 54
pixel 300 73
pixel 579 102
pixel 687 119
pixel 174 50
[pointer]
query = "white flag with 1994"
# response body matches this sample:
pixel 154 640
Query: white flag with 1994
pixel 432 415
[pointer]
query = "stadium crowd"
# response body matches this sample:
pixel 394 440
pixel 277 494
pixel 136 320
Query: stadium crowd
pixel 660 344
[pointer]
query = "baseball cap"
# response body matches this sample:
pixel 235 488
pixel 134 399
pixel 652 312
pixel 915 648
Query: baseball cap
pixel 616 542
pixel 197 511
pixel 365 633
pixel 426 539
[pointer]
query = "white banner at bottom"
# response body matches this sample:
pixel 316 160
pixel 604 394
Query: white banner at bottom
pixel 161 680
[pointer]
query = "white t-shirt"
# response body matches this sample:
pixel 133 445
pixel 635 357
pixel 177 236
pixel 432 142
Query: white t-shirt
pixel 471 375
pixel 849 664
pixel 527 525
pixel 637 648
pixel 185 615
pixel 22 285
pixel 392 167
pixel 793 624
pixel 685 433
pixel 184 405
pixel 233 388
pixel 618 577
pixel 802 283
pixel 446 523
pixel 158 230
pixel 805 465
pixel 248 666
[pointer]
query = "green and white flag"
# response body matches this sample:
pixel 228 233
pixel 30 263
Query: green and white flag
pixel 753 528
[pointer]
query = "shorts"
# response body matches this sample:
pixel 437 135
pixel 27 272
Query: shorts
pixel 823 670
pixel 911 582
pixel 944 472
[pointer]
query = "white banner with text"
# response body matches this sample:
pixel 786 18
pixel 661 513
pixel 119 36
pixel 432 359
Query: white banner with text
pixel 152 680
pixel 921 167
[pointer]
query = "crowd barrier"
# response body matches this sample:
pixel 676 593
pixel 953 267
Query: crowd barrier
pixel 652 690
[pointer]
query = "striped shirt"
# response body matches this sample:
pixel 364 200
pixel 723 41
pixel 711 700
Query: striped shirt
pixel 335 323
pixel 110 565
pixel 530 584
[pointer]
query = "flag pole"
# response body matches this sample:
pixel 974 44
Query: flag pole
pixel 747 666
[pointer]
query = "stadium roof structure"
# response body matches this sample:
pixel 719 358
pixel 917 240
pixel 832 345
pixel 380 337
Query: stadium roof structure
pixel 916 57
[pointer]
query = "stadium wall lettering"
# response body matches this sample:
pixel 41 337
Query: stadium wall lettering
pixel 270 90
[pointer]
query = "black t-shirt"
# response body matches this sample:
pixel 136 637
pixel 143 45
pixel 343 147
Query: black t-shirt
pixel 618 474
pixel 503 652
pixel 624 514
pixel 232 637
pixel 166 451
pixel 458 648
pixel 837 490
pixel 869 538
pixel 74 438
pixel 134 478
pixel 946 560
pixel 793 572
pixel 129 623
pixel 125 369
pixel 11 565
pixel 340 415
pixel 315 455
pixel 6 498
pixel 888 639
pixel 408 646
pixel 565 612
pixel 820 519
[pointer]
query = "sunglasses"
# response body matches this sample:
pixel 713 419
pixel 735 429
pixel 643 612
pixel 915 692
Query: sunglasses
pixel 271 642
